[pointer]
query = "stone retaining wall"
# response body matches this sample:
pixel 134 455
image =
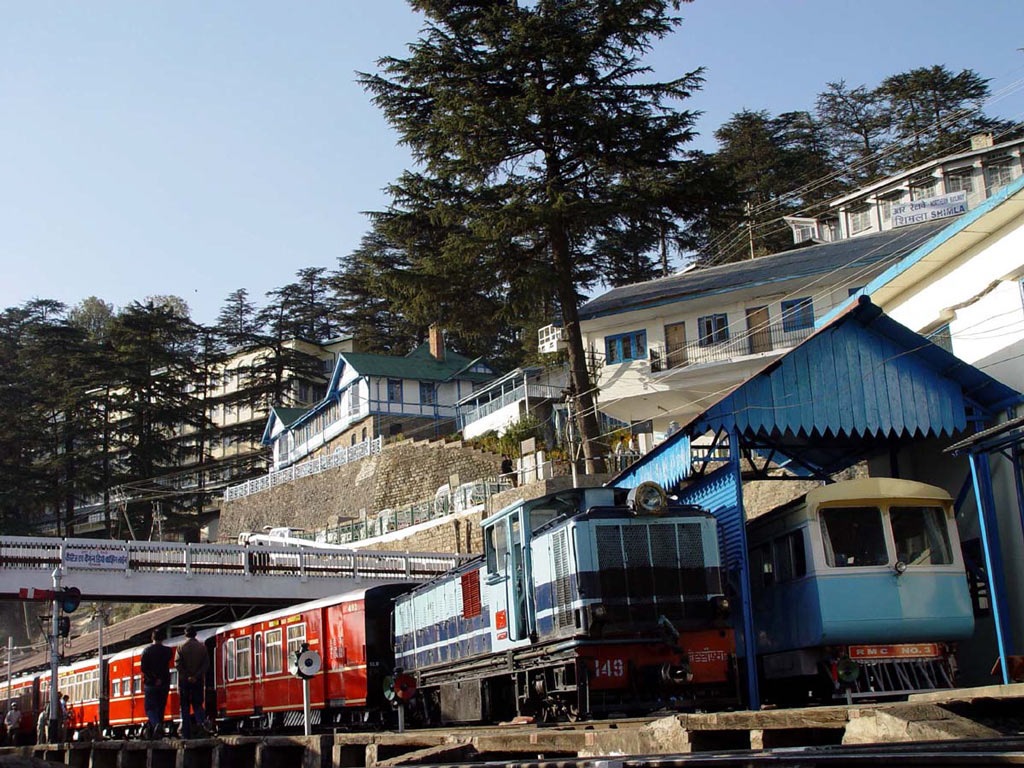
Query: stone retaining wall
pixel 404 473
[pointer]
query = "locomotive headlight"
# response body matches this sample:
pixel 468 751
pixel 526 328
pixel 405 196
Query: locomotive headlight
pixel 721 604
pixel 648 499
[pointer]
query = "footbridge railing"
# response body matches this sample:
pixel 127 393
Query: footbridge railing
pixel 177 572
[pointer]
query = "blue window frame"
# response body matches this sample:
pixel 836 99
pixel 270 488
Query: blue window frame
pixel 394 390
pixel 797 314
pixel 428 393
pixel 625 346
pixel 713 329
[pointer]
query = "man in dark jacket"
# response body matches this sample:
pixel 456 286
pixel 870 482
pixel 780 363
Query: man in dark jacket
pixel 192 663
pixel 156 680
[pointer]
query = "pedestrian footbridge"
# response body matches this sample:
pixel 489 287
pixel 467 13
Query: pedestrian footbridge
pixel 173 572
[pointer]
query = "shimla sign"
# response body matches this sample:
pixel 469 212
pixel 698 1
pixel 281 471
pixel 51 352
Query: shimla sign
pixel 929 209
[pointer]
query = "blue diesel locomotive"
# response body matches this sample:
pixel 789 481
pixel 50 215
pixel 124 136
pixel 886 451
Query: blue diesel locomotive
pixel 859 589
pixel 589 600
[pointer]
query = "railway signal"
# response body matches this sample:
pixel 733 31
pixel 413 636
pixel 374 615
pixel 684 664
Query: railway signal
pixel 305 666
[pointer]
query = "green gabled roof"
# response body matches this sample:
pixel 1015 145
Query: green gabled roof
pixel 418 364
pixel 288 416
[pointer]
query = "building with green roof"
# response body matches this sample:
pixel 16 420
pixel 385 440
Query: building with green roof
pixel 373 396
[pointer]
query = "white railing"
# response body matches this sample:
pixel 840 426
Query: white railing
pixel 514 395
pixel 97 557
pixel 339 457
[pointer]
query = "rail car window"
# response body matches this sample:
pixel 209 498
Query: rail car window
pixel 137 684
pixel 117 689
pixel 853 537
pixel 296 637
pixel 762 573
pixel 173 682
pixel 273 653
pixel 921 536
pixel 126 686
pixel 789 556
pixel 497 549
pixel 243 658
pixel 229 660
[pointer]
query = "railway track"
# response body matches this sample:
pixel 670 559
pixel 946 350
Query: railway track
pixel 949 754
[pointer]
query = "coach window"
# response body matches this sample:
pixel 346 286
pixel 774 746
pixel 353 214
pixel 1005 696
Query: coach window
pixel 243 658
pixel 137 684
pixel 920 535
pixel 116 692
pixel 229 660
pixel 296 637
pixel 853 537
pixel 789 556
pixel 174 679
pixel 273 652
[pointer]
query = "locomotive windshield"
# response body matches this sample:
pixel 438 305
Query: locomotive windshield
pixel 920 535
pixel 853 537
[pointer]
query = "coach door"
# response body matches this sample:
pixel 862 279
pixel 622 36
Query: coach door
pixel 258 669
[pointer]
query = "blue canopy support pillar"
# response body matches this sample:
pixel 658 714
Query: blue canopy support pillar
pixel 721 493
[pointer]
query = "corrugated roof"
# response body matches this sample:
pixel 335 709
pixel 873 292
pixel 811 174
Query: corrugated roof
pixel 802 262
pixel 418 364
pixel 133 628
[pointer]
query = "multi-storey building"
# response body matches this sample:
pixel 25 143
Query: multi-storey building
pixel 939 189
pixel 666 347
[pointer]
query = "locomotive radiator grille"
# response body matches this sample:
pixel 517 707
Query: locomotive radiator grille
pixel 563 595
pixel 654 569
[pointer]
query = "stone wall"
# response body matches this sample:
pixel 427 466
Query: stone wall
pixel 402 474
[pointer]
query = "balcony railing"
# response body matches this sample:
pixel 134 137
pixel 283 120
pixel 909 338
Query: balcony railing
pixel 514 395
pixel 768 339
pixel 339 457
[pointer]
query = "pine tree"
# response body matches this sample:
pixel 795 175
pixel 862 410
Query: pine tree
pixel 856 124
pixel 538 125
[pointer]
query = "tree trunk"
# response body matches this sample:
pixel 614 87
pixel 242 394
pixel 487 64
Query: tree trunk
pixel 579 377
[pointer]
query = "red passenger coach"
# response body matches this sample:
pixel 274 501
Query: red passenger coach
pixel 351 632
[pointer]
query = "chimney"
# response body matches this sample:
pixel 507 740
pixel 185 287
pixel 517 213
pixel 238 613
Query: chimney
pixel 981 140
pixel 436 336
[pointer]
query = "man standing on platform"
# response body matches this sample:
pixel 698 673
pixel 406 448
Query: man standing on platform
pixel 156 679
pixel 192 663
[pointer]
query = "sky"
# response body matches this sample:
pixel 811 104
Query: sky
pixel 192 147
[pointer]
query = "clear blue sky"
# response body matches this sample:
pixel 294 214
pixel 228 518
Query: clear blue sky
pixel 194 147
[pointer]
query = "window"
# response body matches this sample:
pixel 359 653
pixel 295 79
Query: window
pixel 925 189
pixel 763 573
pixel 790 557
pixel 296 637
pixel 713 329
pixel 497 549
pixel 860 219
pixel 625 346
pixel 428 393
pixel 229 660
pixel 997 176
pixel 116 689
pixel 797 314
pixel 920 535
pixel 274 663
pixel 243 657
pixel 853 537
pixel 394 390
pixel 962 181
pixel 174 679
pixel 137 684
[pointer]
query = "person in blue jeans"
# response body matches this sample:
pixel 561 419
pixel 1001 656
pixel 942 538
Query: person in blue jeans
pixel 192 662
pixel 156 680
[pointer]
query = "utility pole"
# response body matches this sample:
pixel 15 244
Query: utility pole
pixel 10 657
pixel 750 229
pixel 54 725
pixel 572 439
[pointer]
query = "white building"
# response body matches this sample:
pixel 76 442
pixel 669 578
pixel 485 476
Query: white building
pixel 942 188
pixel 371 396
pixel 504 401
pixel 665 348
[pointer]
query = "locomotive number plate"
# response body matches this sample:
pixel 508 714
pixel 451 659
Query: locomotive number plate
pixel 903 651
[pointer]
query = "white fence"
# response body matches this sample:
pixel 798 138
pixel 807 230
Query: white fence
pixel 315 466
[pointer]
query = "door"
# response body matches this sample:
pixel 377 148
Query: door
pixel 519 579
pixel 758 331
pixel 675 344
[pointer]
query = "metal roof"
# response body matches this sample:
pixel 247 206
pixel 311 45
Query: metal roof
pixel 860 381
pixel 801 262
pixel 418 364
